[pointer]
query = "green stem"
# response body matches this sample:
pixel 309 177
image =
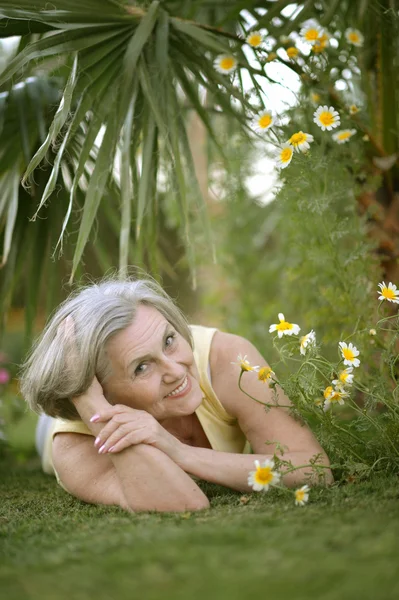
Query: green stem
pixel 259 401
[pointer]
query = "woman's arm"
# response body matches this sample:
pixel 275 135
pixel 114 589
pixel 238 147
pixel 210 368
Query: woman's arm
pixel 259 426
pixel 146 478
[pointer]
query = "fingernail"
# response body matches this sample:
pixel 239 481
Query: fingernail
pixel 111 449
pixel 94 418
pixel 101 449
pixel 97 441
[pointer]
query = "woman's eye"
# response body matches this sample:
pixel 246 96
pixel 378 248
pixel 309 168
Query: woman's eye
pixel 169 339
pixel 139 370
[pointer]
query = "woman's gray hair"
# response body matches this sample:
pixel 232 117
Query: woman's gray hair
pixel 98 311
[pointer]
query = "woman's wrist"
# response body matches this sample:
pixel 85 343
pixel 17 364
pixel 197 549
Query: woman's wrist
pixel 88 405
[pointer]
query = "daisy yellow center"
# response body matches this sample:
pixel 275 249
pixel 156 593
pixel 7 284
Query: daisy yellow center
pixel 265 121
pixel 388 293
pixel 298 138
pixel 264 373
pixel 315 97
pixel 326 118
pixel 348 354
pixel 263 475
pixel 292 52
pixel 335 397
pixel 328 391
pixel 343 377
pixel 344 135
pixel 284 325
pixel 300 495
pixel 319 46
pixel 354 109
pixel 255 40
pixel 354 37
pixel 285 156
pixel 226 63
pixel 312 35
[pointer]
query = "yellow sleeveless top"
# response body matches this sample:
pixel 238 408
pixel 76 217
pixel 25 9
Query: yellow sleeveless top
pixel 220 428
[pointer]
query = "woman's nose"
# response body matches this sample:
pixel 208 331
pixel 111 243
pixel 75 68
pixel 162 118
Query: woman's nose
pixel 172 371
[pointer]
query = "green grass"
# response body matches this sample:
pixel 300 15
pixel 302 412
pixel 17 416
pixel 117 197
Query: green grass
pixel 343 545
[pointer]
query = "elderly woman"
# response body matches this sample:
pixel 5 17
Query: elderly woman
pixel 144 405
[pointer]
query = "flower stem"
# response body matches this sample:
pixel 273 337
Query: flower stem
pixel 259 401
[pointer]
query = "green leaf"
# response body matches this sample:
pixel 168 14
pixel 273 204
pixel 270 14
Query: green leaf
pixel 59 43
pixel 199 35
pixel 57 124
pixel 144 192
pixel 12 209
pixel 97 186
pixel 133 52
pixel 126 189
pixel 105 99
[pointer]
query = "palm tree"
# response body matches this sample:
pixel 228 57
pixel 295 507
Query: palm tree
pixel 93 121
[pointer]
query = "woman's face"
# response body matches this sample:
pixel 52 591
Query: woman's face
pixel 153 368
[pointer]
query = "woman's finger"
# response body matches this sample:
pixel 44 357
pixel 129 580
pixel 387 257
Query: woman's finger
pixel 132 439
pixel 122 429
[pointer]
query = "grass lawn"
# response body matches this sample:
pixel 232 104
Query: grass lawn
pixel 343 545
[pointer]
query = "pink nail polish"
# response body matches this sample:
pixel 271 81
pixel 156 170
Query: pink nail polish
pixel 102 449
pixel 94 418
pixel 97 441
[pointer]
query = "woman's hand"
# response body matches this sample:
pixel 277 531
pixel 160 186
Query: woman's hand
pixel 127 426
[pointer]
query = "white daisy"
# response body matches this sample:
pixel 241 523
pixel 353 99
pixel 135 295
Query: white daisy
pixel 311 32
pixel 336 396
pixel 301 141
pixel 307 340
pixel 345 377
pixel 354 36
pixel 343 136
pixel 388 292
pixel 263 121
pixel 244 364
pixel 225 63
pixel 265 374
pixel 254 39
pixel 349 353
pixel 284 328
pixel 264 476
pixel 353 109
pixel 302 495
pixel 326 117
pixel 284 155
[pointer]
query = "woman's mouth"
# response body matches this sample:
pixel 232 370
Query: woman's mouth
pixel 182 390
